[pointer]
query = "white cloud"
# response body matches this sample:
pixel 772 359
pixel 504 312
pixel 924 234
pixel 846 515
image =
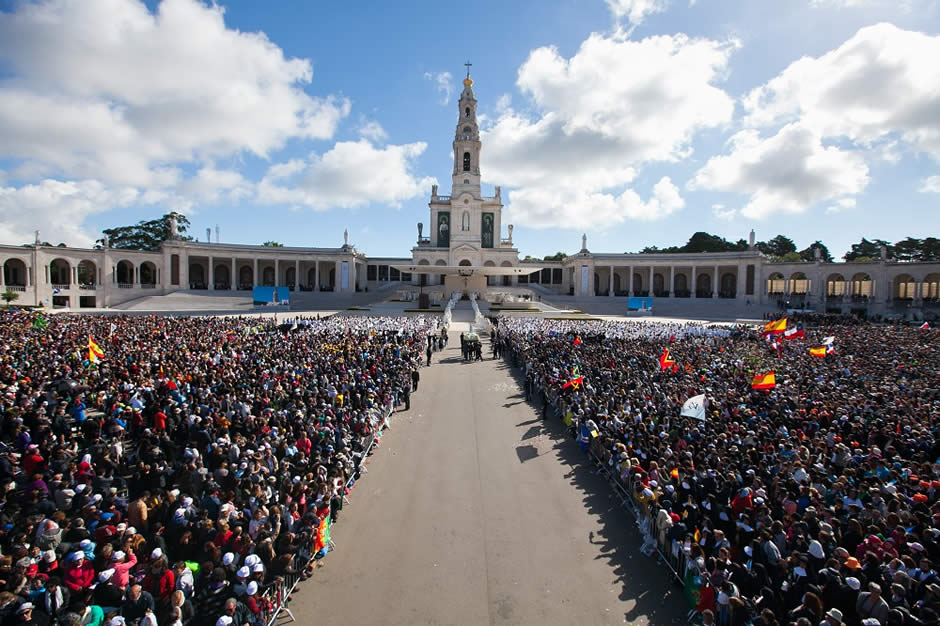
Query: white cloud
pixel 878 86
pixel 443 83
pixel 58 208
pixel 570 207
pixel 721 212
pixel 599 116
pixel 931 185
pixel 351 174
pixel 841 205
pixel 788 172
pixel 373 130
pixel 635 10
pixel 107 90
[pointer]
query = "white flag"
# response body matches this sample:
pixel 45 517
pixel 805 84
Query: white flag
pixel 694 407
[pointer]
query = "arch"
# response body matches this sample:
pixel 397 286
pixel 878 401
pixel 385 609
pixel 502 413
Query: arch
pixel 931 287
pixel 14 273
pixel 728 287
pixel 507 280
pixel 466 161
pixel 617 288
pixel 222 276
pixel 467 111
pixel 197 276
pixel 312 278
pixel 799 284
pixel 659 285
pixel 861 286
pixel 905 287
pixel 87 273
pixel 124 273
pixel 267 276
pixel 148 273
pixel 491 280
pixel 174 269
pixel 290 277
pixel 681 286
pixel 441 277
pixel 835 286
pixel 597 284
pixel 465 263
pixel 440 262
pixel 776 284
pixel 703 285
pixel 246 277
pixel 637 284
pixel 60 273
pixel 333 278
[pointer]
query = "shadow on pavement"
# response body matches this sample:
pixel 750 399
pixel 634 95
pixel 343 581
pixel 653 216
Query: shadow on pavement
pixel 657 597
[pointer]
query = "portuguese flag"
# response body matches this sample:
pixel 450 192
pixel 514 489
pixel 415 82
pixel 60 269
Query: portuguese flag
pixel 322 538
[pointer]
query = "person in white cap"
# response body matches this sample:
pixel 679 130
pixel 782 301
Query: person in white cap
pixel 106 594
pixel 122 565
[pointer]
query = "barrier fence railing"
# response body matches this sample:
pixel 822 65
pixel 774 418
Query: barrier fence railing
pixel 275 596
pixel 673 553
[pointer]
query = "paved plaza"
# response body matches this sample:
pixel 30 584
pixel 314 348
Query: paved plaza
pixel 477 512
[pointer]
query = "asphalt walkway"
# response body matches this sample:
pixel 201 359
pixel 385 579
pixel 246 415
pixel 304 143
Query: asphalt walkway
pixel 475 512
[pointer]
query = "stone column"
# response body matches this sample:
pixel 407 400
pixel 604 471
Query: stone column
pixel 184 270
pixel 630 279
pixel 650 291
pixel 211 273
pixel 297 275
pixel 610 288
pixel 715 284
pixel 316 275
pixel 277 272
pixel 741 287
pixel 233 284
pixel 254 276
pixel 694 286
pixel 672 281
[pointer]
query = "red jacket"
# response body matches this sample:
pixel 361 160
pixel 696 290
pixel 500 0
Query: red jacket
pixel 79 576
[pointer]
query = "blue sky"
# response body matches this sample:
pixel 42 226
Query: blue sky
pixel 638 122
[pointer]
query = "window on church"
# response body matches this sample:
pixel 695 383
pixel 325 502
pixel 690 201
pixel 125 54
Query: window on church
pixel 468 111
pixel 466 161
pixel 466 129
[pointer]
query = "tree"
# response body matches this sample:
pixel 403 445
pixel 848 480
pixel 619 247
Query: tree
pixel 145 235
pixel 776 247
pixel 869 249
pixel 9 296
pixel 272 244
pixel 909 249
pixel 809 253
pixel 558 256
pixel 700 242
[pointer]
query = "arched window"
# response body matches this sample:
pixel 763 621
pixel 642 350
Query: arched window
pixel 467 129
pixel 467 110
pixel 466 161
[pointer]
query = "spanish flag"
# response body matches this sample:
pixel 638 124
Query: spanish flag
pixel 94 352
pixel 664 361
pixel 775 327
pixel 820 351
pixel 764 381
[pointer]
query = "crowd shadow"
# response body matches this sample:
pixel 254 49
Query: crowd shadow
pixel 643 580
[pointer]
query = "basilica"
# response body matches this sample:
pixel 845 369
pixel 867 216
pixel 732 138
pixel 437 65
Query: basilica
pixel 464 246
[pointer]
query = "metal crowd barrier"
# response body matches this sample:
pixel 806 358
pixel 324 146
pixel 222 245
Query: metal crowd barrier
pixel 276 595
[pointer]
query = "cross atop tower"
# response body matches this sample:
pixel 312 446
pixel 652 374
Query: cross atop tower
pixel 468 64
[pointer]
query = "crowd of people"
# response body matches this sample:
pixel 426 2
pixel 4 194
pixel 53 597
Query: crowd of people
pixel 816 501
pixel 177 472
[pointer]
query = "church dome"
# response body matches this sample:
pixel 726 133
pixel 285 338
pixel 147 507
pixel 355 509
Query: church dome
pixel 468 82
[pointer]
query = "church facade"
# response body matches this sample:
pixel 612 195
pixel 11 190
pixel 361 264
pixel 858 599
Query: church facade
pixel 464 246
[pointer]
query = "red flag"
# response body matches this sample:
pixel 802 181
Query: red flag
pixel 924 326
pixel 577 341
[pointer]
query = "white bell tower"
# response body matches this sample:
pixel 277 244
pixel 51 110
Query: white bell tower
pixel 466 177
